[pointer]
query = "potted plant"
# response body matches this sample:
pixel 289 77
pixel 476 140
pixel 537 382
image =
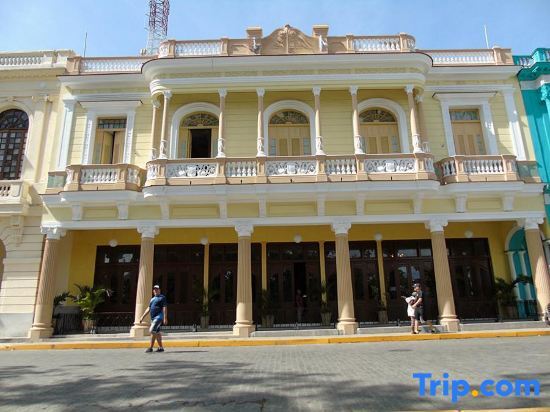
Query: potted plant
pixel 87 300
pixel 267 310
pixel 506 297
pixel 205 313
pixel 58 301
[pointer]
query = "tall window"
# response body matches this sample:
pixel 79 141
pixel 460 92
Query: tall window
pixel 467 132
pixel 14 125
pixel 109 141
pixel 380 131
pixel 289 134
pixel 198 137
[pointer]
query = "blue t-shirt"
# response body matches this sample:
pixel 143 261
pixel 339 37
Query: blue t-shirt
pixel 156 305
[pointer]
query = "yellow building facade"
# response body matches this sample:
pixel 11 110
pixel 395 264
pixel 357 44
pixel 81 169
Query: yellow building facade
pixel 283 180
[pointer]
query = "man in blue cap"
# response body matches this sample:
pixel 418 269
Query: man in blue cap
pixel 159 316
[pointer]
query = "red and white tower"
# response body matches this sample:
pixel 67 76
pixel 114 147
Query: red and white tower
pixel 158 24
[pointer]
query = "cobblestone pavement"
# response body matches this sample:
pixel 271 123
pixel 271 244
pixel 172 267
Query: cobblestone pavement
pixel 365 376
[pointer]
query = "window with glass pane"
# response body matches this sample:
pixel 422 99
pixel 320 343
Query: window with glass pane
pixel 109 141
pixel 467 132
pixel 14 125
pixel 289 134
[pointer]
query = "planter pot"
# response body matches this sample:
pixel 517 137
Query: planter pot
pixel 88 325
pixel 382 316
pixel 326 318
pixel 267 321
pixel 508 311
pixel 205 320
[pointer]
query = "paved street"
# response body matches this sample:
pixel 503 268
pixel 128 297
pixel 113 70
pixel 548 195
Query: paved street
pixel 366 376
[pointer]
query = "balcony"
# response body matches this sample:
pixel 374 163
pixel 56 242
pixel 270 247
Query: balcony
pixel 35 60
pixel 14 196
pixel 504 168
pixel 303 169
pixel 95 177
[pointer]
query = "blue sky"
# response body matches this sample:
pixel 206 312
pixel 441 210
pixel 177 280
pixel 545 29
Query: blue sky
pixel 117 27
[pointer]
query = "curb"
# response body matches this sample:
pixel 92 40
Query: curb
pixel 204 343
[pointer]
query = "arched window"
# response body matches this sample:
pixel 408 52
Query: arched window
pixel 14 125
pixel 380 131
pixel 289 134
pixel 198 136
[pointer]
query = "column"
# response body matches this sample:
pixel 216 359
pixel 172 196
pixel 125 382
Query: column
pixel 346 316
pixel 424 143
pixel 513 273
pixel 66 129
pixel 163 142
pixel 243 323
pixel 318 136
pixel 527 287
pixel 261 138
pixel 43 310
pixel 409 89
pixel 357 139
pixel 145 280
pixel 513 123
pixel 155 149
pixel 443 284
pixel 221 128
pixel 264 266
pixel 538 264
pixel 381 275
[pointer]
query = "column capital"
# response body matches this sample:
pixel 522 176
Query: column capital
pixel 545 92
pixel 222 92
pixel 316 90
pixel 530 223
pixel 53 233
pixel 260 91
pixel 409 88
pixel 167 94
pixel 155 102
pixel 419 98
pixel 148 231
pixel 341 227
pixel 436 225
pixel 507 91
pixel 244 229
pixel 69 103
pixel 353 90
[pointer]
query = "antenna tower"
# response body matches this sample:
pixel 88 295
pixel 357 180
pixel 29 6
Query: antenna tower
pixel 158 24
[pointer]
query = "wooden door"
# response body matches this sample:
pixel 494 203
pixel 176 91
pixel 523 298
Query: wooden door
pixel 467 133
pixel 289 140
pixel 381 137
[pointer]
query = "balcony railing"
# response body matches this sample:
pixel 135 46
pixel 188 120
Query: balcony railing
pixel 303 169
pixel 540 55
pixel 13 191
pixel 34 60
pixel 79 65
pixel 459 169
pixel 96 177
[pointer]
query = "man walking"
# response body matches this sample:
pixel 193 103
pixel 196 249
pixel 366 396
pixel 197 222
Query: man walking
pixel 159 316
pixel 418 306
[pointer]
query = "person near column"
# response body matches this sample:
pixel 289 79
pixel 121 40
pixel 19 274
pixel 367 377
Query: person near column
pixel 159 316
pixel 418 306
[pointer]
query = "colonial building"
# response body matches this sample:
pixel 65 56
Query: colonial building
pixel 534 79
pixel 339 169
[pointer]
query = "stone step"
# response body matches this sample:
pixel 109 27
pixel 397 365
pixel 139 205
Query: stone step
pixel 399 329
pixel 526 324
pixel 274 333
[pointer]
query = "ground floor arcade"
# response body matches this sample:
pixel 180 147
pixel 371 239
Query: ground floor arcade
pixel 358 272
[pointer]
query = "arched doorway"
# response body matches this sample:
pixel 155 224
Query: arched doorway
pixel 380 131
pixel 14 126
pixel 289 134
pixel 198 136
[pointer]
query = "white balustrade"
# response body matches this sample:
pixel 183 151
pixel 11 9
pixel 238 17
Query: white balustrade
pixel 460 57
pixel 448 168
pixel 153 170
pixel 524 61
pixel 391 165
pixel 245 168
pixel 483 166
pixel 376 44
pixel 21 60
pixel 99 175
pixel 191 169
pixel 291 167
pixel 343 166
pixel 111 65
pixel 132 176
pixel 199 48
pixel 5 190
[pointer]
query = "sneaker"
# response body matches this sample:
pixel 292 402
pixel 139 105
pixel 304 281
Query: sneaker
pixel 160 350
pixel 149 350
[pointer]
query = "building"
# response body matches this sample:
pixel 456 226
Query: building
pixel 533 78
pixel 342 169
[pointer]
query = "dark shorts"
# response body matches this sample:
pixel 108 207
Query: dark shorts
pixel 155 325
pixel 418 313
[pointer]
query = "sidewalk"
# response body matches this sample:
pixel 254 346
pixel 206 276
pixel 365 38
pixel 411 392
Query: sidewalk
pixel 226 339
